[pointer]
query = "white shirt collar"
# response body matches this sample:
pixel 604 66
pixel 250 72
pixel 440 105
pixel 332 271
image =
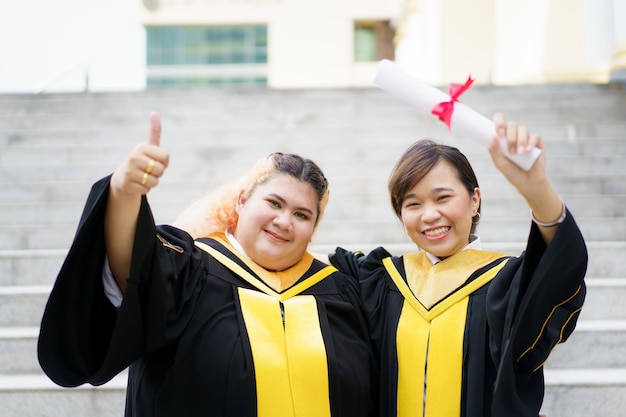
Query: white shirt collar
pixel 473 244
pixel 235 243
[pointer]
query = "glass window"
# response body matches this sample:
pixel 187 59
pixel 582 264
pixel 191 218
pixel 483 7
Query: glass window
pixel 364 44
pixel 202 46
pixel 373 41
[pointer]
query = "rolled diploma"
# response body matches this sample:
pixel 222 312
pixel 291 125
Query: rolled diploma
pixel 465 121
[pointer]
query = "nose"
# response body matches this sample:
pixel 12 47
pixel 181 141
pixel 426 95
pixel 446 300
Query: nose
pixel 282 219
pixel 430 213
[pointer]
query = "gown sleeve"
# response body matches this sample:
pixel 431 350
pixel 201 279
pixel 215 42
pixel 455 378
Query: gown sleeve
pixel 370 271
pixel 532 305
pixel 83 338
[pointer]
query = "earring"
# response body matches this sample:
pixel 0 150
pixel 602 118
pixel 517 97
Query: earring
pixel 476 218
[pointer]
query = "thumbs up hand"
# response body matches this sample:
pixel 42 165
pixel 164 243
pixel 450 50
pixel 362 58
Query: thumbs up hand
pixel 144 165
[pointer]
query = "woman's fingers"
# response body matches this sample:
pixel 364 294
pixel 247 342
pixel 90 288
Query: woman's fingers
pixel 518 137
pixel 155 130
pixel 144 165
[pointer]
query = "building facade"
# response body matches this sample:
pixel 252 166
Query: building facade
pixel 505 42
pixel 73 45
pixel 337 43
pixel 281 43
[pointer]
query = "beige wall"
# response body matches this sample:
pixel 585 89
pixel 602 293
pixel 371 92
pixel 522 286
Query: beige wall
pixel 467 40
pixel 539 41
pixel 508 41
pixel 310 41
pixel 564 55
pixel 441 41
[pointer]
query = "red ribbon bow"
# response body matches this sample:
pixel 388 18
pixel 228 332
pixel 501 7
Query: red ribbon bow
pixel 445 109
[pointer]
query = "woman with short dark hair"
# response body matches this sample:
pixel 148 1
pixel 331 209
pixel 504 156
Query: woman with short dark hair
pixel 459 331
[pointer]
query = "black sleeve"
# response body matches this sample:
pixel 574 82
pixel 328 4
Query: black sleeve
pixel 371 274
pixel 375 291
pixel 83 339
pixel 533 304
pixel 78 319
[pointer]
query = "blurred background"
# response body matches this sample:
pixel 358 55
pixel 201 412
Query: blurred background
pixel 72 45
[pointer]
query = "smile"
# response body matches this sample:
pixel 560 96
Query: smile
pixel 439 231
pixel 276 237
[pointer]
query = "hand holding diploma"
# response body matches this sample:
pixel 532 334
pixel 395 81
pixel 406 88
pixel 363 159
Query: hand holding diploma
pixel 459 118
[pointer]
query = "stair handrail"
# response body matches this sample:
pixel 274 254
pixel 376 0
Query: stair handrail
pixel 84 68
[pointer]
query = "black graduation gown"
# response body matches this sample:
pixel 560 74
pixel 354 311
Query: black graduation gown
pixel 180 326
pixel 512 322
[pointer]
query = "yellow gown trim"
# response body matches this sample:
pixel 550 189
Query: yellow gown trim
pixel 290 364
pixel 432 283
pixel 435 337
pixel 277 280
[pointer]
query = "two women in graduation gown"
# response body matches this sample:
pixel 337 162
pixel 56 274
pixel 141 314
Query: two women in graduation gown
pixel 459 331
pixel 234 319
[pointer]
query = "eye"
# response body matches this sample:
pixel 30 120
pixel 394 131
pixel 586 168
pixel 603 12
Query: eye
pixel 273 203
pixel 411 204
pixel 302 216
pixel 443 197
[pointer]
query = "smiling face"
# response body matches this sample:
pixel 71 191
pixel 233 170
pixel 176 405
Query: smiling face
pixel 276 222
pixel 437 212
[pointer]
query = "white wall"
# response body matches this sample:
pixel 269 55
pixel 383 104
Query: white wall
pixel 507 42
pixel 43 39
pixel 516 42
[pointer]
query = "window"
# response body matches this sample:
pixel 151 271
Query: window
pixel 203 55
pixel 373 41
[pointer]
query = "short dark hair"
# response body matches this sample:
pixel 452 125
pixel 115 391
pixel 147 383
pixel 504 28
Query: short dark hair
pixel 417 161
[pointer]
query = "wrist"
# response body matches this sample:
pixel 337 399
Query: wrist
pixel 553 223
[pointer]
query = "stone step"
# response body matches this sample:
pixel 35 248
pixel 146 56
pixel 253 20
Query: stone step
pixel 571 95
pixel 23 306
pixel 572 393
pixel 371 207
pixel 490 229
pixel 26 268
pixel 337 169
pixel 585 392
pixel 390 125
pixel 225 163
pixel 104 146
pixel 605 258
pixel 35 395
pixel 331 231
pixel 34 269
pixel 397 127
pixel 604 299
pixel 558 101
pixel 594 344
pixel 344 187
pixel 19 350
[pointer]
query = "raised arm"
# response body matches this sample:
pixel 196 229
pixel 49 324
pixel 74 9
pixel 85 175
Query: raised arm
pixel 534 185
pixel 139 173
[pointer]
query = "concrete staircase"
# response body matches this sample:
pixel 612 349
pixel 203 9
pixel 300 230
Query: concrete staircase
pixel 53 147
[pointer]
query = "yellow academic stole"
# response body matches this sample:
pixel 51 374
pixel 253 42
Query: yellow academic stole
pixel 429 342
pixel 290 364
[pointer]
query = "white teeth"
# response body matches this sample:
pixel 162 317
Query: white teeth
pixel 436 232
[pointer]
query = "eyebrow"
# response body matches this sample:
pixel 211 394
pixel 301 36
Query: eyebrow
pixel 282 200
pixel 433 191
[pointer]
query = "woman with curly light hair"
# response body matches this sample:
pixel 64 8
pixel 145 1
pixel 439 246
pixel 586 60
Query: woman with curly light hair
pixel 226 314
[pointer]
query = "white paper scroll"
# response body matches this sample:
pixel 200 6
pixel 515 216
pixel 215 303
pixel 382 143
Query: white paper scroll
pixel 465 121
